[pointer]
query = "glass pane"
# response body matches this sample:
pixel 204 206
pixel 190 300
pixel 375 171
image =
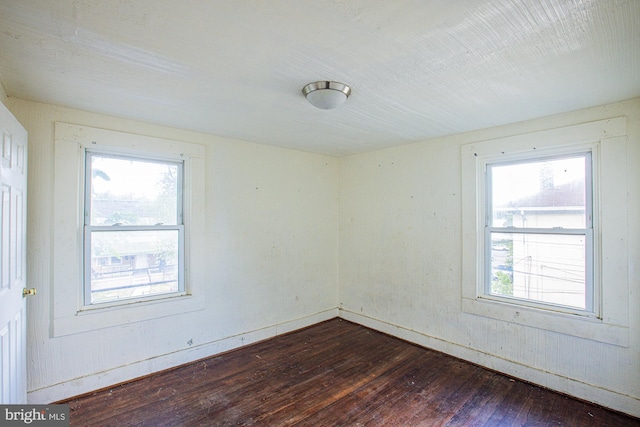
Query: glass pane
pixel 540 194
pixel 547 268
pixel 133 192
pixel 132 264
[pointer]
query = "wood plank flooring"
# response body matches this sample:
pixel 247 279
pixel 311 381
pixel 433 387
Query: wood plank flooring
pixel 335 373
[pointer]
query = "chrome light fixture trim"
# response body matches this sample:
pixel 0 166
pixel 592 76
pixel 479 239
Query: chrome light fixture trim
pixel 326 94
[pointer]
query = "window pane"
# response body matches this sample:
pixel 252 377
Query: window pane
pixel 133 192
pixel 131 264
pixel 540 194
pixel 546 268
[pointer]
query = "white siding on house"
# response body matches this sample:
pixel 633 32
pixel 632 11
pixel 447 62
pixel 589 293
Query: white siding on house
pixel 3 95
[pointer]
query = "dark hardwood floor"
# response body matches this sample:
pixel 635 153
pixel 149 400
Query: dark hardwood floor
pixel 335 373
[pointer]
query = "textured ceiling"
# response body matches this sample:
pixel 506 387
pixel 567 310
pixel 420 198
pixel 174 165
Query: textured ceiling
pixel 418 69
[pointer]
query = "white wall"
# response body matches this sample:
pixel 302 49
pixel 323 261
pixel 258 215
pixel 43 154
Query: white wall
pixel 271 231
pixel 275 255
pixel 401 263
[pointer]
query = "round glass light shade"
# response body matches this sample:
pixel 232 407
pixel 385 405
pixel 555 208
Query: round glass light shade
pixel 326 94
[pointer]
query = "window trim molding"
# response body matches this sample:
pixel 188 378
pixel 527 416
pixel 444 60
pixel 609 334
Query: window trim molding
pixel 609 141
pixel 70 315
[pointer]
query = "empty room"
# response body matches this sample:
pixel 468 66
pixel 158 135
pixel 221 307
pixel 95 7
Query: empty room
pixel 320 212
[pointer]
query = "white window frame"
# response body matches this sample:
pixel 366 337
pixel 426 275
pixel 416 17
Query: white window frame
pixel 590 231
pixel 608 322
pixel 71 314
pixel 89 229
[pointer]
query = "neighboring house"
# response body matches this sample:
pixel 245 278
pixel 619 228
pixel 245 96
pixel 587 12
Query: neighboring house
pixel 547 268
pixel 135 265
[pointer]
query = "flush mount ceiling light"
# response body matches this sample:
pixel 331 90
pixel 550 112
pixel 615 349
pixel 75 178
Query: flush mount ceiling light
pixel 326 94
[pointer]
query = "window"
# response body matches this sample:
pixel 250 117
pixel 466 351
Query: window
pixel 544 230
pixel 134 231
pixel 128 236
pixel 539 232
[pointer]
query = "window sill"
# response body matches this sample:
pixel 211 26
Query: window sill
pixel 587 327
pixel 129 302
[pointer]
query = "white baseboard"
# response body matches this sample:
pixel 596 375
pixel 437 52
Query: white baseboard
pixel 120 374
pixel 607 398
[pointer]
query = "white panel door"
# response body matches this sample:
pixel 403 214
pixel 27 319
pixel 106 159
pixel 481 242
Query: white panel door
pixel 13 214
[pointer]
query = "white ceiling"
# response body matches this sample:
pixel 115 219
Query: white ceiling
pixel 418 69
